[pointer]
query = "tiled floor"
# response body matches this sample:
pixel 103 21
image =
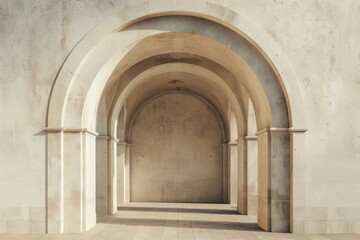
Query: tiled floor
pixel 152 221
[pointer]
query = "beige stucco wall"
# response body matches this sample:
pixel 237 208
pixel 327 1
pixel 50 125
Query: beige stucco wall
pixel 319 38
pixel 176 151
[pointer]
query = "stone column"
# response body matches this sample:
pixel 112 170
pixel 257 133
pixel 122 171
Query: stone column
pixel 274 179
pixel 73 177
pixel 55 183
pixel 89 197
pixel 112 176
pixel 79 180
pixel 127 173
pixel 242 176
pixel 71 180
pixel 252 174
pixel 226 173
pixel 101 176
pixel 233 151
pixel 121 169
pixel 298 179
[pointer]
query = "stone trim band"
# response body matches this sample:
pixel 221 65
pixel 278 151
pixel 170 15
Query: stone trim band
pixel 269 130
pixel 74 130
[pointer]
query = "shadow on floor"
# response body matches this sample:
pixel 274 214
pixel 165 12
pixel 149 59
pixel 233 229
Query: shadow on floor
pixel 224 225
pixel 180 210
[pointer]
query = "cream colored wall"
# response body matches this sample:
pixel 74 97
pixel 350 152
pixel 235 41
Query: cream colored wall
pixel 176 151
pixel 320 39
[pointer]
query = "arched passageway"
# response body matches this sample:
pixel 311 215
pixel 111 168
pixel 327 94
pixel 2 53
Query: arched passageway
pixel 129 59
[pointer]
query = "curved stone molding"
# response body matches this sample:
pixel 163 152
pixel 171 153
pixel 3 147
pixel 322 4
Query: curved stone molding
pixel 74 130
pixel 221 14
pixel 266 130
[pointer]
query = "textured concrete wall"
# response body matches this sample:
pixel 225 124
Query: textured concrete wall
pixel 176 151
pixel 319 38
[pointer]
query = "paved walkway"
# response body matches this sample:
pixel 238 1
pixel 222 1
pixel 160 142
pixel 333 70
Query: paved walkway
pixel 171 221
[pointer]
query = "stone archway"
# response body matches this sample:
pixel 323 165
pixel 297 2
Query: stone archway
pixel 77 92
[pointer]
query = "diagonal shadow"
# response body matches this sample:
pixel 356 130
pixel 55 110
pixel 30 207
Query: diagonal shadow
pixel 223 225
pixel 179 210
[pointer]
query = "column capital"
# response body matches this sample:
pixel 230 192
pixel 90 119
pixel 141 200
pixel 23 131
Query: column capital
pixel 70 130
pixel 106 137
pixel 280 130
pixel 114 139
pixel 229 143
pixel 246 138
pixel 54 130
pixel 102 137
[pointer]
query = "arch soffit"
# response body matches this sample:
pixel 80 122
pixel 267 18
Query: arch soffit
pixel 203 9
pixel 115 87
pixel 226 59
pixel 104 73
pixel 179 70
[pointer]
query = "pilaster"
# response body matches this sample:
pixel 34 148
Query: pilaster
pixel 71 184
pixel 274 170
pixel 233 172
pixel 101 175
pixel 123 176
pixel 55 183
pixel 252 174
pixel 112 175
pixel 226 173
pixel 242 176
